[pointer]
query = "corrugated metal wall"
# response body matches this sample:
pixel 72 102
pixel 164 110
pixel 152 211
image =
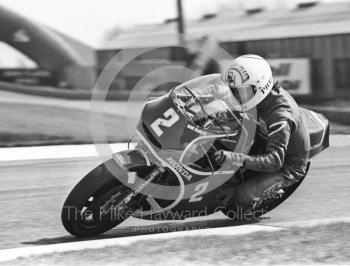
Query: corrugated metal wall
pixel 329 57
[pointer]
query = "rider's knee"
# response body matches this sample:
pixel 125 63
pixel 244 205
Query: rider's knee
pixel 244 196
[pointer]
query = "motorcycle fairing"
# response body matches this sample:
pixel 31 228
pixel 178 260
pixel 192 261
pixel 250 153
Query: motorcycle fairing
pixel 179 140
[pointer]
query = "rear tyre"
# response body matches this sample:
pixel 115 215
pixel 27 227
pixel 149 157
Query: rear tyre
pixel 237 213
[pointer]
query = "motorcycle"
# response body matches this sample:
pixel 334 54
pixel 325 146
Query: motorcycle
pixel 170 174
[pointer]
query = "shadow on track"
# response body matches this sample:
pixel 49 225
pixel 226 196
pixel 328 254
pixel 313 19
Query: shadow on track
pixel 127 231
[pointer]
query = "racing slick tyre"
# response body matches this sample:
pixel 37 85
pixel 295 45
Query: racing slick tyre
pixel 88 210
pixel 237 213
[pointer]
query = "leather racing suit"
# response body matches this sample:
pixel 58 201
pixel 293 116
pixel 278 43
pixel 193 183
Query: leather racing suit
pixel 284 158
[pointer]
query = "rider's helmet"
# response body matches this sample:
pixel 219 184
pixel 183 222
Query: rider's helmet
pixel 250 80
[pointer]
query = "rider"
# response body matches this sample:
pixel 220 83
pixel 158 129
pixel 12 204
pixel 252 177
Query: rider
pixel 285 156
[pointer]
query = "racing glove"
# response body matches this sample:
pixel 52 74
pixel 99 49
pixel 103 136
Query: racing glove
pixel 219 158
pixel 234 158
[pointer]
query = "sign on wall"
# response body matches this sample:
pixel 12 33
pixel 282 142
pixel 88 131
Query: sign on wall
pixel 293 74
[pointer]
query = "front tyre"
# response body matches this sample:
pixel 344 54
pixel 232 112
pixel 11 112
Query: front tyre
pixel 89 208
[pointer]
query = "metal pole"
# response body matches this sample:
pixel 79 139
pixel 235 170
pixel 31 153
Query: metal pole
pixel 180 22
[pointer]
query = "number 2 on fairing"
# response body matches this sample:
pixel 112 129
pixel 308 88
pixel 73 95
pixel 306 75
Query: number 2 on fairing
pixel 199 190
pixel 171 118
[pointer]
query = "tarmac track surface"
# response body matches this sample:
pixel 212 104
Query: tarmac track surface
pixel 32 194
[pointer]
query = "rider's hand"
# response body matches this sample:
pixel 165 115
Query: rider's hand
pixel 219 158
pixel 235 158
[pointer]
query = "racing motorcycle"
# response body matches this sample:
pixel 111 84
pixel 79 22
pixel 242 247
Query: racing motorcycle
pixel 170 174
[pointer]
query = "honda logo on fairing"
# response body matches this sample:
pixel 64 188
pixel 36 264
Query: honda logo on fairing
pixel 178 167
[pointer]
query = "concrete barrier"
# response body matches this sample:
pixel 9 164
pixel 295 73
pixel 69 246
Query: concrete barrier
pixel 46 91
pixel 72 94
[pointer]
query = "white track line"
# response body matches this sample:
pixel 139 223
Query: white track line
pixel 15 253
pixel 54 152
pixel 88 150
pixel 311 223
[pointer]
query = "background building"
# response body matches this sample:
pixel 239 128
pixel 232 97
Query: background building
pixel 315 31
pixel 308 47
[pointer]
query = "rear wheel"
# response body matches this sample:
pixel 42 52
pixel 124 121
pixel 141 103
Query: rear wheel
pixel 237 213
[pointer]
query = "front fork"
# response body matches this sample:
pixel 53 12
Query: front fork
pixel 130 202
pixel 155 173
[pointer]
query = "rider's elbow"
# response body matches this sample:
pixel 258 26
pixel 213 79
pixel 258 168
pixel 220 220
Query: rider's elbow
pixel 276 167
pixel 276 163
pixel 272 163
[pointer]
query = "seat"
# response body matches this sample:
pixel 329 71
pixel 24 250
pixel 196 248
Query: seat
pixel 318 126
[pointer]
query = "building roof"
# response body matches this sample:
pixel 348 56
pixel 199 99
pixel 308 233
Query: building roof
pixel 318 20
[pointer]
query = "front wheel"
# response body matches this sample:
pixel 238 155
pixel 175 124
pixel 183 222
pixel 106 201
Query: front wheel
pixel 89 209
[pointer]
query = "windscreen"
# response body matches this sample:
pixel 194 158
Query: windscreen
pixel 207 102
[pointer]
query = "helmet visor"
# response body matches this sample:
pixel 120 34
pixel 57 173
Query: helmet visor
pixel 243 93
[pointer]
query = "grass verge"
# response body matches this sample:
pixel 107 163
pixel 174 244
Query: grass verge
pixel 28 125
